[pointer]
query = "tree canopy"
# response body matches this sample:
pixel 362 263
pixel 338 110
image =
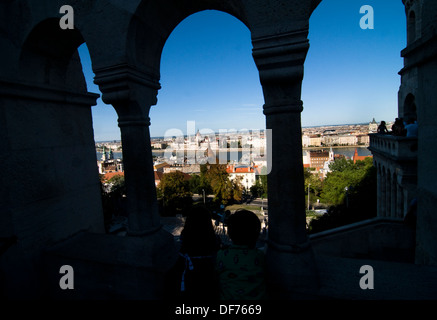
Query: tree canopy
pixel 345 179
pixel 350 190
pixel 175 192
pixel 225 190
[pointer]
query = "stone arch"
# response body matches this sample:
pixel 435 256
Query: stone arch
pixel 49 56
pixel 153 22
pixel 227 58
pixel 130 82
pixel 410 109
pixel 411 26
pixel 52 120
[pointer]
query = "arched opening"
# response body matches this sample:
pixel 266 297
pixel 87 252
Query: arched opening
pixel 411 27
pixel 208 76
pixel 104 116
pixel 351 74
pixel 53 118
pixel 108 152
pixel 210 85
pixel 49 56
pixel 410 109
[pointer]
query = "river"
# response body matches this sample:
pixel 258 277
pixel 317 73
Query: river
pixel 346 151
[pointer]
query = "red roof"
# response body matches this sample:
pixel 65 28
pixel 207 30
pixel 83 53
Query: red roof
pixel 110 175
pixel 232 169
pixel 158 175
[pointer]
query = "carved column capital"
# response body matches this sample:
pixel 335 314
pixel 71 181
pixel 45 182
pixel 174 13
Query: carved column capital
pixel 280 61
pixel 281 57
pixel 131 92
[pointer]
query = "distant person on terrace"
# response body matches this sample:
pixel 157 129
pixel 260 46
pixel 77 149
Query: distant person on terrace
pixel 382 129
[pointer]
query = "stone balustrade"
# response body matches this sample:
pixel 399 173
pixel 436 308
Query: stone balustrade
pixel 394 147
pixel 395 159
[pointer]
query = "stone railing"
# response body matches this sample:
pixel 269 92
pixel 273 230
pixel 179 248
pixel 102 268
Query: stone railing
pixel 394 147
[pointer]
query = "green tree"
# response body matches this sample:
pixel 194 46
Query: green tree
pixel 341 165
pixel 313 181
pixel 117 186
pixel 113 194
pixel 175 192
pixel 259 189
pixel 237 189
pixel 256 190
pixel 225 191
pixel 344 179
pixel 351 190
pixel 201 182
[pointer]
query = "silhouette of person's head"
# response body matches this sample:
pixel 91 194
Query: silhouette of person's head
pixel 198 236
pixel 244 228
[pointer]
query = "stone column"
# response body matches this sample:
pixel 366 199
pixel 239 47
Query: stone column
pixel 400 201
pixel 383 212
pixel 291 264
pixel 142 203
pixel 394 197
pixel 132 94
pixel 388 194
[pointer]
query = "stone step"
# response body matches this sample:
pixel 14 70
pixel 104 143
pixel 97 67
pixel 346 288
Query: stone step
pixel 340 279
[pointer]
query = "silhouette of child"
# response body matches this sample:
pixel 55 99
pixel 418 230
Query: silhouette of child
pixel 382 129
pixel 398 128
pixel 193 276
pixel 241 267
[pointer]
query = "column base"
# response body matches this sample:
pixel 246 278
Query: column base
pixel 112 267
pixel 292 275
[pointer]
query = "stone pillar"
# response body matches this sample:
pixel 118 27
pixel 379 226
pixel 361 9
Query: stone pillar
pixel 142 203
pixel 132 94
pixel 393 198
pixel 383 212
pixel 388 194
pixel 400 201
pixel 291 264
pixel 148 251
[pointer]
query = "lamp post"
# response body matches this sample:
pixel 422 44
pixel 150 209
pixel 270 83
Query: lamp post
pixel 203 191
pixel 347 198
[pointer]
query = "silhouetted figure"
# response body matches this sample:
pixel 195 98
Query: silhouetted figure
pixel 398 128
pixel 193 276
pixel 241 267
pixel 382 129
pixel 412 128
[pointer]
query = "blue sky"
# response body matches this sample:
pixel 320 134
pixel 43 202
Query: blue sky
pixel 208 74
